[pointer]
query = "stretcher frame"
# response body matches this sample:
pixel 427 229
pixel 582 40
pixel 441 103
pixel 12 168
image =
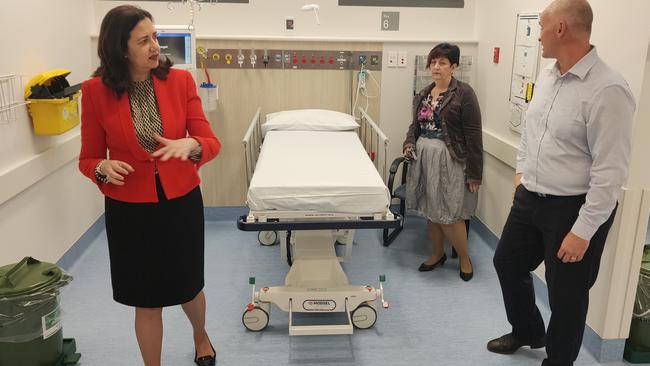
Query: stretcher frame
pixel 316 282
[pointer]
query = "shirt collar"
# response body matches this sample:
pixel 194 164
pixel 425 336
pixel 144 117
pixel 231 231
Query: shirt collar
pixel 582 67
pixel 453 84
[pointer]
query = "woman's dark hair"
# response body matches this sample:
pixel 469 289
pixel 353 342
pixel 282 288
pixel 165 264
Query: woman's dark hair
pixel 445 50
pixel 112 48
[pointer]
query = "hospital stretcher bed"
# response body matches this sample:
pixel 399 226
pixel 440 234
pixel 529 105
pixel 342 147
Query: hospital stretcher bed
pixel 315 187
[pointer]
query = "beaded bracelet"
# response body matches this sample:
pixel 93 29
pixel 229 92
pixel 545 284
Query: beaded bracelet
pixel 101 177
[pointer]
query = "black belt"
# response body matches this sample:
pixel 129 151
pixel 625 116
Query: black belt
pixel 546 195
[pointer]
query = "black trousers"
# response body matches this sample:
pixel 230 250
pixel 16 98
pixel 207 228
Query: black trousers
pixel 533 233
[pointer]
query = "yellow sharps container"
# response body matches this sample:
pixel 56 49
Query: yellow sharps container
pixel 56 112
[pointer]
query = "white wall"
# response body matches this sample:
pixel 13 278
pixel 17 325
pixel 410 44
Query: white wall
pixel 619 32
pixel 44 208
pixel 639 174
pixel 621 35
pixel 266 18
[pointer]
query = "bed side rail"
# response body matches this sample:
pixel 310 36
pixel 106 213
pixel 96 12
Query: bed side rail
pixel 251 142
pixel 375 142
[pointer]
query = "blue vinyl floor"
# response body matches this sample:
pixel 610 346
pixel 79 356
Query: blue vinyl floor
pixel 434 319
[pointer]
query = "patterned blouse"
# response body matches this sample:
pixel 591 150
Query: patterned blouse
pixel 429 116
pixel 145 113
pixel 146 120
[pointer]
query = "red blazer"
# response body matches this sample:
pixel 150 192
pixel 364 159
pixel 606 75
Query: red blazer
pixel 106 124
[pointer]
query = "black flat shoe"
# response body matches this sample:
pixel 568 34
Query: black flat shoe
pixel 466 276
pixel 206 360
pixel 428 267
pixel 508 344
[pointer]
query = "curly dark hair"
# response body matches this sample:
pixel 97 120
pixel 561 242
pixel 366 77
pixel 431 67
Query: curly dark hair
pixel 112 46
pixel 445 50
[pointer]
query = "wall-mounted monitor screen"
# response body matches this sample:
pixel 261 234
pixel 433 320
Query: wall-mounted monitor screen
pixel 178 43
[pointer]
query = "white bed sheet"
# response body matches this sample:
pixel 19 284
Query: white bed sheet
pixel 316 171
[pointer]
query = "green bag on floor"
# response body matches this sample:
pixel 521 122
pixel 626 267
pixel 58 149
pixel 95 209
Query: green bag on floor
pixel 30 317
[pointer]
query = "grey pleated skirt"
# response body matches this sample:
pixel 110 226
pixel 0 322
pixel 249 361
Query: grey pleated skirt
pixel 435 185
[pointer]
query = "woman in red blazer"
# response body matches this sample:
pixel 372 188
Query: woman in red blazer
pixel 143 137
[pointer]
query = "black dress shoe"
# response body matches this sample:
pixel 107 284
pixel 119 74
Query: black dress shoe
pixel 466 276
pixel 508 344
pixel 428 267
pixel 210 360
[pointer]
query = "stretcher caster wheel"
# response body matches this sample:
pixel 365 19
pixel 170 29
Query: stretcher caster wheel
pixel 364 317
pixel 256 319
pixel 267 238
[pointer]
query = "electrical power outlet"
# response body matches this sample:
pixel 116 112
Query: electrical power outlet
pixel 402 59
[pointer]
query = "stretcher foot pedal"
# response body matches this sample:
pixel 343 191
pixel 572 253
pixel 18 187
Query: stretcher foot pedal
pixel 320 329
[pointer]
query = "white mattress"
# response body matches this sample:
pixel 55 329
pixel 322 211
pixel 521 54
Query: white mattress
pixel 316 171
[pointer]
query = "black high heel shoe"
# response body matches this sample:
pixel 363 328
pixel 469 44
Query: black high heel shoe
pixel 466 276
pixel 209 360
pixel 428 267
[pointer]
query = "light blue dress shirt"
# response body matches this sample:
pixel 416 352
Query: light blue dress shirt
pixel 577 138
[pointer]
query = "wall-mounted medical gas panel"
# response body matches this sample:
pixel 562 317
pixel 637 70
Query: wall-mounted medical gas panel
pixel 525 67
pixel 288 59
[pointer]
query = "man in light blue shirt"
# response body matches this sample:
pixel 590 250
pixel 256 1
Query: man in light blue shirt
pixel 572 161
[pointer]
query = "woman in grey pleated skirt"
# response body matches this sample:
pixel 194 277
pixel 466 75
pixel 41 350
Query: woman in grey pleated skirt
pixel 445 153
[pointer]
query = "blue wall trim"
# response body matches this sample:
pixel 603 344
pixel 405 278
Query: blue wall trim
pixel 603 350
pixel 483 232
pixel 80 246
pixel 224 213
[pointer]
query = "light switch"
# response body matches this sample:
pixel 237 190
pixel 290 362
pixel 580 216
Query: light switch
pixel 392 59
pixel 402 59
pixel 289 23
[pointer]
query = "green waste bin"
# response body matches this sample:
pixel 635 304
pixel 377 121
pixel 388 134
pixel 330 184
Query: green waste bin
pixel 30 317
pixel 637 348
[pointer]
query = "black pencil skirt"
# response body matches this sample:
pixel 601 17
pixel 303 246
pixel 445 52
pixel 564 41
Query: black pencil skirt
pixel 156 249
